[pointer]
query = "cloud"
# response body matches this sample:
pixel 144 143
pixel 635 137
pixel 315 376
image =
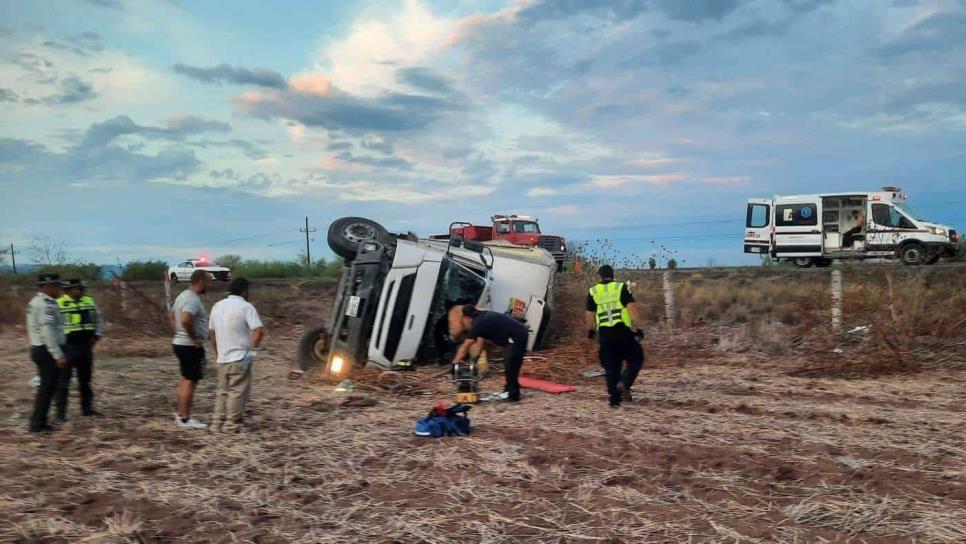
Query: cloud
pixel 424 79
pixel 83 44
pixel 538 192
pixel 72 90
pixel 178 128
pixel 697 10
pixel 224 73
pixel 937 32
pixel 393 163
pixel 7 95
pixel 551 10
pixel 388 112
pixel 110 4
pixel 30 163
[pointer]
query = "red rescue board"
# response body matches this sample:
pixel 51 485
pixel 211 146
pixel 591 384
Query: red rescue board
pixel 545 386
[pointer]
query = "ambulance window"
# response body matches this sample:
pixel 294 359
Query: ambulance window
pixel 887 216
pixel 757 216
pixel 794 215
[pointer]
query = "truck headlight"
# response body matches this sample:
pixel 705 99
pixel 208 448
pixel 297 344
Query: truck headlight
pixel 337 363
pixel 938 231
pixel 563 247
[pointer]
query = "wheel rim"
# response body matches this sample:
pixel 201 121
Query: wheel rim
pixel 358 232
pixel 803 261
pixel 320 348
pixel 912 255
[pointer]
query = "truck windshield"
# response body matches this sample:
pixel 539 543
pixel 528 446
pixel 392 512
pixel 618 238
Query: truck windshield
pixel 457 285
pixel 526 226
pixel 908 211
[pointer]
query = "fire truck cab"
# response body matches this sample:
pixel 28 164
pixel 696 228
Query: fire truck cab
pixel 812 230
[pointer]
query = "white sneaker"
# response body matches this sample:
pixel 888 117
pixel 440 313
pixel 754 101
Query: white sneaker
pixel 192 423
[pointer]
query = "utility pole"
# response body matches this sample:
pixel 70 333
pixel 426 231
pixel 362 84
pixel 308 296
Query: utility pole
pixel 308 254
pixel 13 259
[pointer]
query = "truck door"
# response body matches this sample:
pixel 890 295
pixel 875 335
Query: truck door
pixel 402 316
pixel 534 317
pixel 758 226
pixel 798 232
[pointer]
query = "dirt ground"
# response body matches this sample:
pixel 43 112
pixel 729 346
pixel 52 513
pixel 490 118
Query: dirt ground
pixel 720 445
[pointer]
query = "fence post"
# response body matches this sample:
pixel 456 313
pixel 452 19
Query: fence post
pixel 836 300
pixel 167 292
pixel 668 299
pixel 123 297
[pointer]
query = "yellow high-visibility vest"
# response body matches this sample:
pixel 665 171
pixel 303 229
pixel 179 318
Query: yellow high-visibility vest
pixel 610 310
pixel 78 315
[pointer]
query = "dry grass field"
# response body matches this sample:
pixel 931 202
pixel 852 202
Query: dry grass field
pixel 752 424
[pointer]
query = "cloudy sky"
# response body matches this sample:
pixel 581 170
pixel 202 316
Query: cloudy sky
pixel 165 129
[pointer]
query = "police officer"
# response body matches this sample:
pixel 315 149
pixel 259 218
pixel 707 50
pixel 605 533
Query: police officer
pixel 46 333
pixel 82 325
pixel 611 315
pixel 502 330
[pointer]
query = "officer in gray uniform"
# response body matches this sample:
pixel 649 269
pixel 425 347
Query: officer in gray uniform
pixel 46 332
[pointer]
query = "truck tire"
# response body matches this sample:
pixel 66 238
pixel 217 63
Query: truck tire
pixel 912 254
pixel 803 262
pixel 347 233
pixel 314 347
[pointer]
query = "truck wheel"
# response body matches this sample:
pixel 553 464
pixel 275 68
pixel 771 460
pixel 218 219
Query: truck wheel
pixel 912 254
pixel 314 347
pixel 803 262
pixel 347 233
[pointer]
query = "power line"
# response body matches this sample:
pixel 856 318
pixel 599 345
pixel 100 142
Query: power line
pixel 243 238
pixel 651 225
pixel 716 235
pixel 285 243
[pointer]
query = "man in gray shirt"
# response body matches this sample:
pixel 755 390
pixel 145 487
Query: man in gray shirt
pixel 190 323
pixel 46 333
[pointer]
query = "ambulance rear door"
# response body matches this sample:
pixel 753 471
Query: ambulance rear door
pixel 798 231
pixel 758 225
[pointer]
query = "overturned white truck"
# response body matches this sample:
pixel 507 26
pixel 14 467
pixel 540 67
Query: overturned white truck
pixel 396 292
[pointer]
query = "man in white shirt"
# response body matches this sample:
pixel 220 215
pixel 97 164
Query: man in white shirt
pixel 236 332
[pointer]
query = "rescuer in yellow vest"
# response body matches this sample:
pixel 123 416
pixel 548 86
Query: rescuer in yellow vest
pixel 82 325
pixel 613 317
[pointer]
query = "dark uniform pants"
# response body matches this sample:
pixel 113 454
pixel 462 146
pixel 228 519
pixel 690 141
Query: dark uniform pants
pixel 81 358
pixel 613 354
pixel 513 362
pixel 47 370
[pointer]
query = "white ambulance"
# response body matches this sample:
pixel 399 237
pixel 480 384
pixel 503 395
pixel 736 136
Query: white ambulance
pixel 812 230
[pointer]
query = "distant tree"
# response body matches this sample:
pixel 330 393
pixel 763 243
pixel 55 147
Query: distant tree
pixel 45 251
pixel 652 262
pixel 144 270
pixel 230 260
pixel 3 254
pixel 672 264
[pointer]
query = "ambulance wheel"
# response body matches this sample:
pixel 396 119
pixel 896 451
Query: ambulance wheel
pixel 912 254
pixel 346 234
pixel 802 262
pixel 314 348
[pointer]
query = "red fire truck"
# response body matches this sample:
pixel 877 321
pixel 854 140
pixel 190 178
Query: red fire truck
pixel 520 230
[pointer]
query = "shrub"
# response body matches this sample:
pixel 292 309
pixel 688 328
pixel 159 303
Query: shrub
pixel 144 270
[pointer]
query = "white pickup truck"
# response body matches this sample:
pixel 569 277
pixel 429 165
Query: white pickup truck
pixel 184 269
pixel 396 293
